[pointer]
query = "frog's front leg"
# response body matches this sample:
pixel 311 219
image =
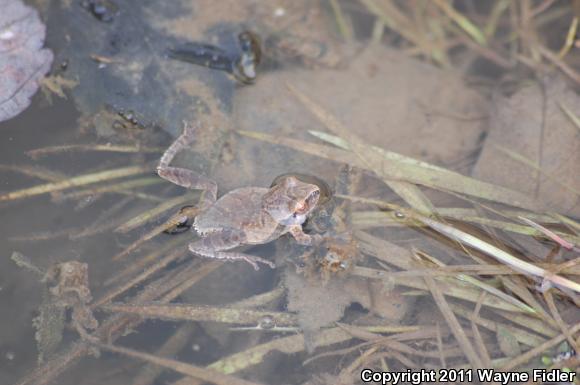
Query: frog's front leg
pixel 182 176
pixel 304 239
pixel 214 244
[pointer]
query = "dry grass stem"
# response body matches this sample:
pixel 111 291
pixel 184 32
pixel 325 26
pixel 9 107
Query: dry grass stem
pixel 37 153
pixel 77 181
pixel 184 312
pixel 204 374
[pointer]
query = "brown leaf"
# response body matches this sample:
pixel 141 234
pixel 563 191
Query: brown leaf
pixel 533 146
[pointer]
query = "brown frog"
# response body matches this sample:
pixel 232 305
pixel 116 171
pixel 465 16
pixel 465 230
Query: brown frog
pixel 244 216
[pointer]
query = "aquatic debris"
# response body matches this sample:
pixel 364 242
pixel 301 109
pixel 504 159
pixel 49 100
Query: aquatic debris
pixel 49 150
pixel 169 287
pixel 249 59
pixel 23 61
pixel 242 65
pixel 334 257
pixel 66 287
pixel 56 84
pixel 77 181
pixel 202 313
pixel 205 374
pixel 548 279
pixel 102 10
pixel 338 257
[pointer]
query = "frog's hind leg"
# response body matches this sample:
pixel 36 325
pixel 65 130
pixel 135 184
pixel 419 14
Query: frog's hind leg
pixel 182 176
pixel 214 245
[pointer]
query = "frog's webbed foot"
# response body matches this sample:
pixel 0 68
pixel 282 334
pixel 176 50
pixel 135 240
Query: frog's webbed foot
pixel 182 176
pixel 305 239
pixel 214 244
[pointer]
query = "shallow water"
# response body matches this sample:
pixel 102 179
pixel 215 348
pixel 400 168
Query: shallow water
pixel 383 97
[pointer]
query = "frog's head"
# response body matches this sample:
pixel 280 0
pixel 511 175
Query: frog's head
pixel 290 201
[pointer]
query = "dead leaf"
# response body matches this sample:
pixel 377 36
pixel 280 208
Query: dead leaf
pixel 533 146
pixel 23 61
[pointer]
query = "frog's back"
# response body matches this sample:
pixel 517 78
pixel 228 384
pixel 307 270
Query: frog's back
pixel 239 209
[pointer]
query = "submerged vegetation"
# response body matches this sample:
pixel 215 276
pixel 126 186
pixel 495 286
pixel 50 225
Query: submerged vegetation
pixel 448 267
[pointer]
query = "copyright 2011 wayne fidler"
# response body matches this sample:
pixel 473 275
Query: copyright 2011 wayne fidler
pixel 417 377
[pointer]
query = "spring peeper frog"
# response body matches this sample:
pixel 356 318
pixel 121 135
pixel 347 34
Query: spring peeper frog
pixel 244 216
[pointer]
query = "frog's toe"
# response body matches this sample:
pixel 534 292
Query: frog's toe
pixel 255 260
pixel 188 131
pixel 272 265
